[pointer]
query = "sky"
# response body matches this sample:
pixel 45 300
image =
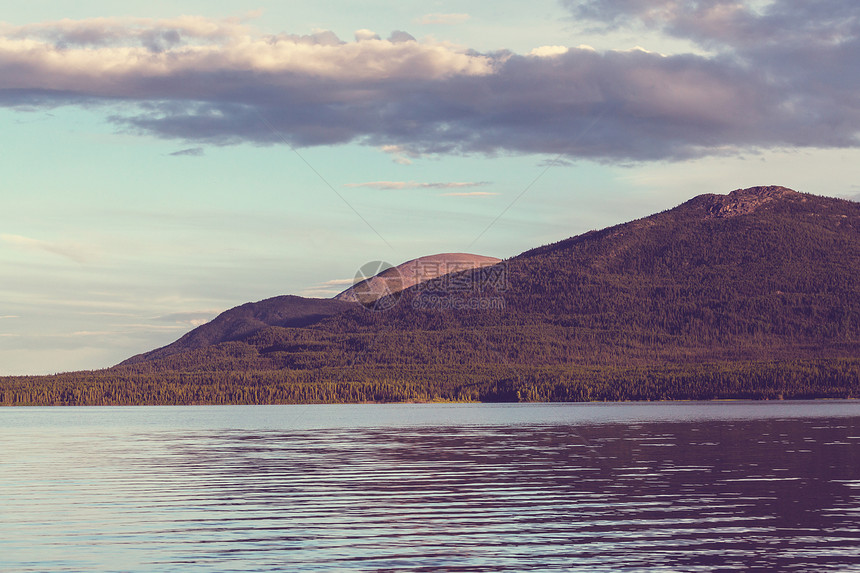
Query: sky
pixel 164 161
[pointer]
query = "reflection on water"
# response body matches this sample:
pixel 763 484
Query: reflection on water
pixel 692 487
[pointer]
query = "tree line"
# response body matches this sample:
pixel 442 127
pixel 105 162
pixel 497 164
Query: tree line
pixel 798 379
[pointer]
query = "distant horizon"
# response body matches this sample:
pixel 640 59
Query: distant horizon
pixel 163 163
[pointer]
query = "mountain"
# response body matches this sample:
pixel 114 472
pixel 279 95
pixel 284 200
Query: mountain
pixel 298 312
pixel 753 294
pixel 760 267
pixel 383 280
pixel 237 323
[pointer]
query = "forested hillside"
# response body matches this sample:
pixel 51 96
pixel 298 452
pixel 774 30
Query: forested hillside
pixel 751 294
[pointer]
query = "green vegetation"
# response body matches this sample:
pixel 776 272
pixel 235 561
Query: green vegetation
pixel 705 381
pixel 751 295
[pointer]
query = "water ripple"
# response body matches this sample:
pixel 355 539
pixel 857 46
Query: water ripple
pixel 677 495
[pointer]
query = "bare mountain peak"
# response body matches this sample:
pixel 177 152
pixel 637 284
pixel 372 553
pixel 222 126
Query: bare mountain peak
pixel 743 201
pixel 762 191
pixel 410 273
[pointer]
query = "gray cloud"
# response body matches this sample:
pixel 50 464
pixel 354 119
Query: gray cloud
pixel 398 36
pixel 783 77
pixel 738 25
pixel 190 152
pixel 800 58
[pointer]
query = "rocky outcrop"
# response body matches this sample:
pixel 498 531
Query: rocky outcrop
pixel 745 201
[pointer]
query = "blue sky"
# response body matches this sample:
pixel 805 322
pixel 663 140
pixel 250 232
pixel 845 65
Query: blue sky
pixel 163 162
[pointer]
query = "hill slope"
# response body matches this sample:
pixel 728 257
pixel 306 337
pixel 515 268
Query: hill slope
pixel 237 323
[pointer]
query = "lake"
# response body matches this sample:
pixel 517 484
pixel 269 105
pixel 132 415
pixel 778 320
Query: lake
pixel 432 487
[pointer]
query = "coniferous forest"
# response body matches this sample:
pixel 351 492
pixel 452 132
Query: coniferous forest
pixel 754 294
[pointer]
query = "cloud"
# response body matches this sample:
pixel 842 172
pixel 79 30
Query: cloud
pixel 7 316
pixel 195 318
pixel 190 152
pixel 781 76
pixel 440 18
pixel 785 25
pixel 115 59
pixel 801 55
pixel 72 251
pixel 548 51
pixel 154 34
pixel 320 292
pixel 402 155
pixel 327 289
pixel 398 36
pixel 470 194
pixel 365 35
pixel 556 161
pixel 93 333
pixel 417 185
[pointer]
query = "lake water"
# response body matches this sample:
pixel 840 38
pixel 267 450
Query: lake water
pixel 457 488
